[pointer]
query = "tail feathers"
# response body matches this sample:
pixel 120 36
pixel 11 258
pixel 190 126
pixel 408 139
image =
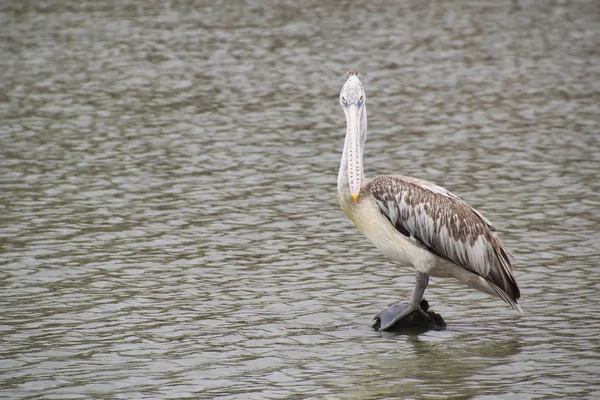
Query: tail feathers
pixel 512 302
pixel 502 279
pixel 485 285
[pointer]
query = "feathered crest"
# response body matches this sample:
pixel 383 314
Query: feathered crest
pixel 352 71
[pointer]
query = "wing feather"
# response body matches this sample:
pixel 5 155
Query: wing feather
pixel 448 227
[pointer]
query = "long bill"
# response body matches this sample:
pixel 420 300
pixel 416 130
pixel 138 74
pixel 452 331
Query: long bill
pixel 353 149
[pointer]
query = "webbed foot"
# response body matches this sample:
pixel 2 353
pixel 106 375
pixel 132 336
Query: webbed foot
pixel 404 315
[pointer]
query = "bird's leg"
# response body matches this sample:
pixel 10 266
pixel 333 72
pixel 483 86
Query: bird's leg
pixel 421 282
pixel 395 312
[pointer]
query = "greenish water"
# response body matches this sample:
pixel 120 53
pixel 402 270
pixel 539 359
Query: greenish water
pixel 169 220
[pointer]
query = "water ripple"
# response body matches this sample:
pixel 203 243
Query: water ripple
pixel 170 227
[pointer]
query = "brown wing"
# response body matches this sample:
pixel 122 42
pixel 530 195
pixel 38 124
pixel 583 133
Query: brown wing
pixel 448 227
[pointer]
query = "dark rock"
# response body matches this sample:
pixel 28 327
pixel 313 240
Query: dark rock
pixel 413 322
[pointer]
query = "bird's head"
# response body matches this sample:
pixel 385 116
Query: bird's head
pixel 352 92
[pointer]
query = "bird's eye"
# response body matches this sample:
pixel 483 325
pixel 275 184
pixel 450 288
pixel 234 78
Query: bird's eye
pixel 360 98
pixel 344 99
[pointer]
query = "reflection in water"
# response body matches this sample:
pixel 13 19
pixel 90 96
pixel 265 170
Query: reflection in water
pixel 443 364
pixel 169 223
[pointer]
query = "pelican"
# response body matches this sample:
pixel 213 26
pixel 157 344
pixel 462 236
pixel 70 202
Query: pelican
pixel 415 222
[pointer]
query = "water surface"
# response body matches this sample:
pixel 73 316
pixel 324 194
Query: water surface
pixel 169 221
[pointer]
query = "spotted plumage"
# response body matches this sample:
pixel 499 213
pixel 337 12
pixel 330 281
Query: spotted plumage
pixel 442 223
